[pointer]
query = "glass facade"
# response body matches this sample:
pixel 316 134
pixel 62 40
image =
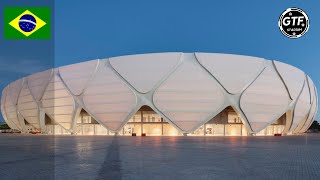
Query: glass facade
pixel 130 128
pixel 233 117
pixel 136 117
pixel 233 130
pixel 152 129
pixel 149 123
pixel 199 132
pixel 275 128
pixel 151 116
pixel 214 130
pixel 56 130
pixel 169 130
pixel 86 125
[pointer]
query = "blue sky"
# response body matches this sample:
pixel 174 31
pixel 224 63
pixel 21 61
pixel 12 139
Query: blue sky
pixel 86 30
pixel 19 58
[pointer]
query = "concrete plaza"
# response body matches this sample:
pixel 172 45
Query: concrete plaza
pixel 107 157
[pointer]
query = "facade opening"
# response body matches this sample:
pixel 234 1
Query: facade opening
pixel 87 125
pixel 148 122
pixel 29 127
pixel 275 128
pixel 53 128
pixel 226 123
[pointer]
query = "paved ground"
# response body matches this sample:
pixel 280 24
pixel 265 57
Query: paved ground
pixel 105 157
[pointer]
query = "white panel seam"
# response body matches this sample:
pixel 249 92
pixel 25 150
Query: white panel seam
pixel 53 76
pixel 244 90
pixel 4 96
pixel 16 103
pixel 224 92
pixel 47 84
pixel 100 65
pixel 294 106
pixel 35 100
pixel 75 104
pixel 315 100
pixel 91 77
pixel 144 96
pixel 312 101
pixel 285 85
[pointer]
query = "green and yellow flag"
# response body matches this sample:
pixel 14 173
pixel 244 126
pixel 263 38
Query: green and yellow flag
pixel 27 23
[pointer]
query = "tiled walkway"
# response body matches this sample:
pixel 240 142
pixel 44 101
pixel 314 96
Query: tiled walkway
pixel 106 157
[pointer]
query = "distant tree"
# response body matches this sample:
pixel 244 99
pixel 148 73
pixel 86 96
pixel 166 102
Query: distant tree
pixel 315 125
pixel 4 126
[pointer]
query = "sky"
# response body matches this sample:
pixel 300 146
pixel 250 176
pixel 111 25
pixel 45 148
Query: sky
pixel 19 58
pixel 86 30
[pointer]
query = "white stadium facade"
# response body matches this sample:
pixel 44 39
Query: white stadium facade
pixel 167 94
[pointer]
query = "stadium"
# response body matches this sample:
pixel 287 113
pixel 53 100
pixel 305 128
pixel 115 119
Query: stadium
pixel 164 94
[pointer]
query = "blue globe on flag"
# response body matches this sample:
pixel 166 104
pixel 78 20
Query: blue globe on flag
pixel 27 23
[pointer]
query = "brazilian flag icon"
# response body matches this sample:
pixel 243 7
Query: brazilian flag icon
pixel 27 23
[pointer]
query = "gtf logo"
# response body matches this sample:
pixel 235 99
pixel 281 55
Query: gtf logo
pixel 293 23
